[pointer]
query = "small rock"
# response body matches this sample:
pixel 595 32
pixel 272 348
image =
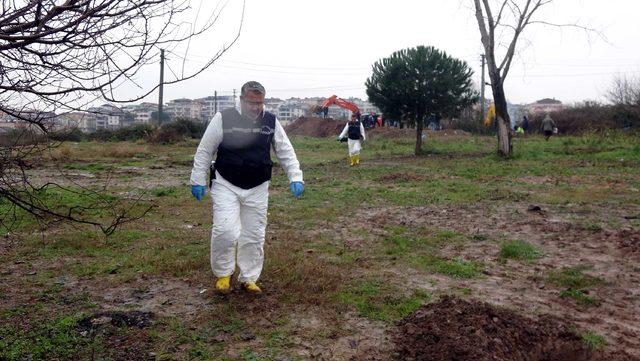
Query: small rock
pixel 101 320
pixel 541 286
pixel 221 337
pixel 32 273
pixel 534 208
pixel 495 319
pixel 247 336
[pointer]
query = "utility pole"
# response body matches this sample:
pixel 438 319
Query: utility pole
pixel 215 102
pixel 482 89
pixel 234 98
pixel 161 85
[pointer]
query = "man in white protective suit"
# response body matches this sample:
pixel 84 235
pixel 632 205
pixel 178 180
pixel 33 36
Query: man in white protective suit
pixel 242 142
pixel 353 132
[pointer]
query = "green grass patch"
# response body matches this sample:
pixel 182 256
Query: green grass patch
pixel 54 339
pixel 457 268
pixel 381 301
pixel 171 191
pixel 593 340
pixel 574 278
pixel 519 250
pixel 89 167
pixel 580 297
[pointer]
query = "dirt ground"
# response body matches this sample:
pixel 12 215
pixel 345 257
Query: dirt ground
pixel 612 254
pixel 512 311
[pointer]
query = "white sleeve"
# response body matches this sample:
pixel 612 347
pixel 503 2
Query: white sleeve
pixel 286 155
pixel 362 132
pixel 206 149
pixel 344 131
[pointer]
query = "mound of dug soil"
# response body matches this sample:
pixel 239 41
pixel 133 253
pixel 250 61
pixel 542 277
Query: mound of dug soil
pixel 454 329
pixel 315 127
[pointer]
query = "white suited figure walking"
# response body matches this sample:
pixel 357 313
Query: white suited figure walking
pixel 242 142
pixel 354 133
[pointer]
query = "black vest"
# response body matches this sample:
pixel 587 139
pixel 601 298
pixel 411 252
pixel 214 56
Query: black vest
pixel 354 130
pixel 244 157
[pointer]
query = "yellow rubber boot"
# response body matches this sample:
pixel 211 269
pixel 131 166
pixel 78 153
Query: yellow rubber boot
pixel 223 285
pixel 357 158
pixel 352 160
pixel 251 287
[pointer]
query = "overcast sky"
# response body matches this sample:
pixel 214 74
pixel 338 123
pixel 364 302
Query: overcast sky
pixel 319 48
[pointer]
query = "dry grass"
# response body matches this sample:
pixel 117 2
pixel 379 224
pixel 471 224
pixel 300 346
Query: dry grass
pixel 299 275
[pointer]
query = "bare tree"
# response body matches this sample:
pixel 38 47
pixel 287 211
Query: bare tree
pixel 62 55
pixel 625 90
pixel 501 24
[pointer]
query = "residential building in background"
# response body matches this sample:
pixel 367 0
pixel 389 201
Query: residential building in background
pixel 111 117
pixel 108 116
pixel 185 108
pixel 211 105
pixel 546 105
pixel 141 112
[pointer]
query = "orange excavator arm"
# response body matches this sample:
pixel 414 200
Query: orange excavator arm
pixel 334 100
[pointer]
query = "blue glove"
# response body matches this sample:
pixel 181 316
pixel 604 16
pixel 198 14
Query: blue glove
pixel 198 191
pixel 297 188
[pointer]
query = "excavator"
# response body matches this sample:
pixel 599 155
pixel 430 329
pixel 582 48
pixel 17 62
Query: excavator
pixel 334 100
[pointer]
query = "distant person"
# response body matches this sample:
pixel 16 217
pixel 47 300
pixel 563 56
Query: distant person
pixel 379 121
pixel 525 123
pixel 325 112
pixel 547 126
pixel 354 132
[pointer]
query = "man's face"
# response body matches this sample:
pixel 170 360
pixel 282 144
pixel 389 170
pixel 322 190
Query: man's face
pixel 252 104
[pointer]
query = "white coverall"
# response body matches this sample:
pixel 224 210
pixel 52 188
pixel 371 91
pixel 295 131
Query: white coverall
pixel 354 145
pixel 239 215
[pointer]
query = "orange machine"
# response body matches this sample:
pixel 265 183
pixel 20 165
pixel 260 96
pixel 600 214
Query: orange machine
pixel 334 100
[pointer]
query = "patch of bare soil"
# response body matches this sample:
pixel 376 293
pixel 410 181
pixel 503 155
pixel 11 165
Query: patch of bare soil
pixel 165 297
pixel 315 127
pixel 454 329
pixel 628 241
pixel 356 338
pixel 123 333
pixel 134 178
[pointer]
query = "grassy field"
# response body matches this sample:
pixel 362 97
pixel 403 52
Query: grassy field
pixel 546 232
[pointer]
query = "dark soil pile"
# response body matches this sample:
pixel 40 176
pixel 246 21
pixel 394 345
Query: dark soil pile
pixel 454 329
pixel 315 127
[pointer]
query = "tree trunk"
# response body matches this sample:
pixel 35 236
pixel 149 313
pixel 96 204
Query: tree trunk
pixel 418 136
pixel 505 136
